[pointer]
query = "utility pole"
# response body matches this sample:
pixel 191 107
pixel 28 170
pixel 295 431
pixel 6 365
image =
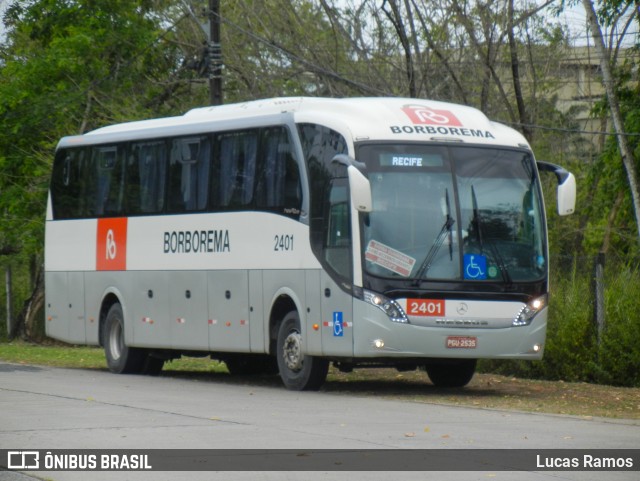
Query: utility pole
pixel 214 52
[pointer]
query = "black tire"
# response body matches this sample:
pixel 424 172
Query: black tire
pixel 298 372
pixel 451 374
pixel 121 359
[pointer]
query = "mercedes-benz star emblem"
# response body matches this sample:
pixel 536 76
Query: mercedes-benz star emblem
pixel 462 308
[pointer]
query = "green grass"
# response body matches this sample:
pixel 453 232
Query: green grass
pixel 82 357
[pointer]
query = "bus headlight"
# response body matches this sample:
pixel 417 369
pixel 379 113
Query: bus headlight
pixel 529 311
pixel 390 307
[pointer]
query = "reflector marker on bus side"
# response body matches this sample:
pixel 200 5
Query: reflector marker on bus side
pixel 181 320
pixel 147 320
pixel 330 324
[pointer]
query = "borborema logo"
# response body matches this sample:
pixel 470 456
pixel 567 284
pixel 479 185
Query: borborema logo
pixel 111 247
pixel 421 114
pixel 111 244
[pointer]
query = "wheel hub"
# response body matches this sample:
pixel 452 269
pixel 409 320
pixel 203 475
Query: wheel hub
pixel 292 351
pixel 116 340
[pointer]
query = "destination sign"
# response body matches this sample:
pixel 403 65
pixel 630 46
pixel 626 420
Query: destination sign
pixel 410 160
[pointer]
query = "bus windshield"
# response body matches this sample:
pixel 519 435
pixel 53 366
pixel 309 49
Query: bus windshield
pixel 453 213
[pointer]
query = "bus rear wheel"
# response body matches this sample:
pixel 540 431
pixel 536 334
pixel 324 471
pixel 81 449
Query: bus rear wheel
pixel 121 359
pixel 452 373
pixel 298 371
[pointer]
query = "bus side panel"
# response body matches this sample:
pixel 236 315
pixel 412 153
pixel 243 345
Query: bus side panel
pixel 337 319
pixel 55 293
pixel 64 297
pixel 94 287
pixel 150 309
pixel 188 320
pixel 289 283
pixel 258 326
pixel 229 311
pixel 92 301
pixel 98 285
pixel 76 311
pixel 313 315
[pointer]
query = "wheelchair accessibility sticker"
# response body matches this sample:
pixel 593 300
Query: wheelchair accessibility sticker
pixel 338 328
pixel 475 266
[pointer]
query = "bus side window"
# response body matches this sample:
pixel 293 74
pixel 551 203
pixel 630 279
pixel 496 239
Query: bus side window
pixel 69 184
pixel 236 169
pixel 146 173
pixel 189 163
pixel 278 185
pixel 109 179
pixel 338 230
pixel 320 145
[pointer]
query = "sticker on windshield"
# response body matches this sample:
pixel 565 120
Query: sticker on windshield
pixel 475 266
pixel 389 258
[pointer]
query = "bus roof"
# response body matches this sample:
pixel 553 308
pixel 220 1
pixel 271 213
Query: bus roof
pixel 374 118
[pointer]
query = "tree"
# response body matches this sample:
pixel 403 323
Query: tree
pixel 610 10
pixel 66 67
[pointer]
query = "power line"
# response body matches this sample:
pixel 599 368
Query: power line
pixel 307 63
pixel 571 131
pixel 377 91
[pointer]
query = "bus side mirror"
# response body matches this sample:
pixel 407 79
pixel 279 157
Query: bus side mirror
pixel 566 187
pixel 360 190
pixel 358 182
pixel 567 195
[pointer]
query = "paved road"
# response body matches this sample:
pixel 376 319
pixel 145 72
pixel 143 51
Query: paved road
pixel 50 408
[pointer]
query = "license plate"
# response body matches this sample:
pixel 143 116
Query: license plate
pixel 462 342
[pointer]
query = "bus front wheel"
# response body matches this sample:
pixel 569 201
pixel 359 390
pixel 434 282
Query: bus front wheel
pixel 298 371
pixel 121 359
pixel 451 374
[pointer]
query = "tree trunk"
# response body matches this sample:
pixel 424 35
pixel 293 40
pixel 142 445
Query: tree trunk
pixel 25 325
pixel 611 218
pixel 614 106
pixel 515 73
pixel 395 17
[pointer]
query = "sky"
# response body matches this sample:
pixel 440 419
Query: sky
pixel 576 18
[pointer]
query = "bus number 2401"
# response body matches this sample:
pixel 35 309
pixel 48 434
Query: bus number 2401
pixel 425 307
pixel 283 242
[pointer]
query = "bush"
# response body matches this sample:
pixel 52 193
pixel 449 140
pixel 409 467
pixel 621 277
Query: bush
pixel 575 351
pixel 618 355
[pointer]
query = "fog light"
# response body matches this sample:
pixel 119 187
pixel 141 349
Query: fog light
pixel 378 343
pixel 537 348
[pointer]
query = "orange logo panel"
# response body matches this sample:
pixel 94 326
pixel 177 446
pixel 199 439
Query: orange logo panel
pixel 111 248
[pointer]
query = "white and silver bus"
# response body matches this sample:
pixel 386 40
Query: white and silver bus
pixel 293 233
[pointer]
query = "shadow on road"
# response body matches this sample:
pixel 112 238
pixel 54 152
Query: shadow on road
pixel 366 382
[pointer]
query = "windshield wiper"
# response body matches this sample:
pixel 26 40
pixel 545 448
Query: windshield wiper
pixel 446 229
pixel 477 221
